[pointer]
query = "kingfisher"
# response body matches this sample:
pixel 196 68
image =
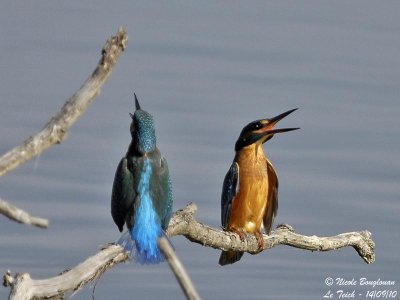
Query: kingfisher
pixel 142 192
pixel 249 199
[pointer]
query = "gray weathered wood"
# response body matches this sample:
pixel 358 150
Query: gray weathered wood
pixel 24 287
pixel 178 269
pixel 16 214
pixel 55 131
pixel 183 223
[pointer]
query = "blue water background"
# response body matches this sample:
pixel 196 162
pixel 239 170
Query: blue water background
pixel 204 70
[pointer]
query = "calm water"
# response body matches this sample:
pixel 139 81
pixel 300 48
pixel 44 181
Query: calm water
pixel 204 70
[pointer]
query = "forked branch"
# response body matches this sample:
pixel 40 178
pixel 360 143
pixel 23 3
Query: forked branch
pixel 55 131
pixel 183 223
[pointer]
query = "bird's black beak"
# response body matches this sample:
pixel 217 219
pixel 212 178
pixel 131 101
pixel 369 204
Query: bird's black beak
pixel 137 105
pixel 270 123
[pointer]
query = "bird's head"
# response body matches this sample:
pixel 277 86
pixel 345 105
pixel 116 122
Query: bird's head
pixel 142 130
pixel 260 131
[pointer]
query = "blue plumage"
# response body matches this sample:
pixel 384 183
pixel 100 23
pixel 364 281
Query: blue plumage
pixel 144 135
pixel 141 242
pixel 142 193
pixel 147 235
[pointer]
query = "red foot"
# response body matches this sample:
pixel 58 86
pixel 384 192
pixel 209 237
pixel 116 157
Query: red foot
pixel 241 234
pixel 260 240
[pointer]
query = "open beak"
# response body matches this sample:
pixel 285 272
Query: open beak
pixel 270 123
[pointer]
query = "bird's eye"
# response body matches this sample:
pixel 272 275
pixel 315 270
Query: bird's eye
pixel 257 126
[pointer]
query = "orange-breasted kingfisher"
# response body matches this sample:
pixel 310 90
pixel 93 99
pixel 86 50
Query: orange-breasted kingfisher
pixel 142 192
pixel 249 199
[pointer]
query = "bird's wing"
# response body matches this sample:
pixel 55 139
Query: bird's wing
pixel 229 191
pixel 166 194
pixel 123 193
pixel 272 198
pixel 161 188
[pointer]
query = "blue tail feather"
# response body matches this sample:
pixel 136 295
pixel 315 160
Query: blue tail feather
pixel 141 239
pixel 141 255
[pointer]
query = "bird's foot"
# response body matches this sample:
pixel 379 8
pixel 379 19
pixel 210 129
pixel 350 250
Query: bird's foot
pixel 260 240
pixel 240 233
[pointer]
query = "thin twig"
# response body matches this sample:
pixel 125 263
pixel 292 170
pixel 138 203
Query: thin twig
pixel 16 214
pixel 178 269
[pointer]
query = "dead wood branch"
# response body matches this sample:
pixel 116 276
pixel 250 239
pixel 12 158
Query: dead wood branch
pixel 178 269
pixel 55 131
pixel 16 214
pixel 183 223
pixel 24 287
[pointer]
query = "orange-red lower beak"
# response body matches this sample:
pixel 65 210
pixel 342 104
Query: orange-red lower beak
pixel 270 123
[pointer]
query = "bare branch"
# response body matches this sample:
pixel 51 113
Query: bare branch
pixel 23 287
pixel 56 129
pixel 183 223
pixel 178 269
pixel 16 214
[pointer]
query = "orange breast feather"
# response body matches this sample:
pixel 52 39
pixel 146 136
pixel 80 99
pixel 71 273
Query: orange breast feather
pixel 250 202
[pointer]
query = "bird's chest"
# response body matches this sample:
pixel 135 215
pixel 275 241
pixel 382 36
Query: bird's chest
pixel 250 202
